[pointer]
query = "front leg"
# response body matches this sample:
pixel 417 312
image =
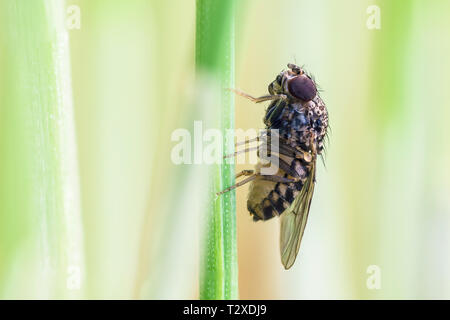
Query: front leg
pixel 260 99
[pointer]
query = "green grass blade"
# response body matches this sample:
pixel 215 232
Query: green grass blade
pixel 40 147
pixel 215 61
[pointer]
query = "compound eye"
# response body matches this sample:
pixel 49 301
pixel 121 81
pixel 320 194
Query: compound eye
pixel 302 88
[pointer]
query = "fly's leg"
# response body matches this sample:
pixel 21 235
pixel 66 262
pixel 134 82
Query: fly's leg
pixel 287 150
pixel 252 176
pixel 239 152
pixel 248 141
pixel 276 178
pixel 245 143
pixel 260 99
pixel 284 166
pixel 283 149
pixel 237 144
pixel 241 183
pixel 245 173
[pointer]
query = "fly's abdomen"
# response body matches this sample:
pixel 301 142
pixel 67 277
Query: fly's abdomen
pixel 275 198
pixel 267 199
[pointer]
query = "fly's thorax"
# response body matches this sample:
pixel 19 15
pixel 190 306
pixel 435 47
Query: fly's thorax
pixel 299 123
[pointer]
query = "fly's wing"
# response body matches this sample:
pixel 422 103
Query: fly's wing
pixel 293 221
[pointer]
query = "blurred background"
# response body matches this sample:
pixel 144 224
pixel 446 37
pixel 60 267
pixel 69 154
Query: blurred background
pixel 382 199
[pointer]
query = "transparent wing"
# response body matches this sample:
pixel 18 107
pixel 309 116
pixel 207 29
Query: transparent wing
pixel 293 221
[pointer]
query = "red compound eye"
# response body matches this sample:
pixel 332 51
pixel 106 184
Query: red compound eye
pixel 302 88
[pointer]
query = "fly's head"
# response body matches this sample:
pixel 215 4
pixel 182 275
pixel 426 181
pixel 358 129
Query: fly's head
pixel 295 83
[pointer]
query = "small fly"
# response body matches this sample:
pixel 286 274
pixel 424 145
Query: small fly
pixel 301 118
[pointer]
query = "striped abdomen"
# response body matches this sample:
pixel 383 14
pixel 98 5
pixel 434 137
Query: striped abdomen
pixel 267 199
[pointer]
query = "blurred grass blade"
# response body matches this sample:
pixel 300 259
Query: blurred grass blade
pixel 39 145
pixel 215 62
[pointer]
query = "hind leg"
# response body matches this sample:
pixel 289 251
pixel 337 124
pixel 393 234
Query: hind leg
pixel 241 183
pixel 252 176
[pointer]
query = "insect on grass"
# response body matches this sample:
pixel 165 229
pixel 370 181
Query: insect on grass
pixel 300 117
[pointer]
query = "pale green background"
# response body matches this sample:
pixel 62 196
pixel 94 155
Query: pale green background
pixel 383 198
